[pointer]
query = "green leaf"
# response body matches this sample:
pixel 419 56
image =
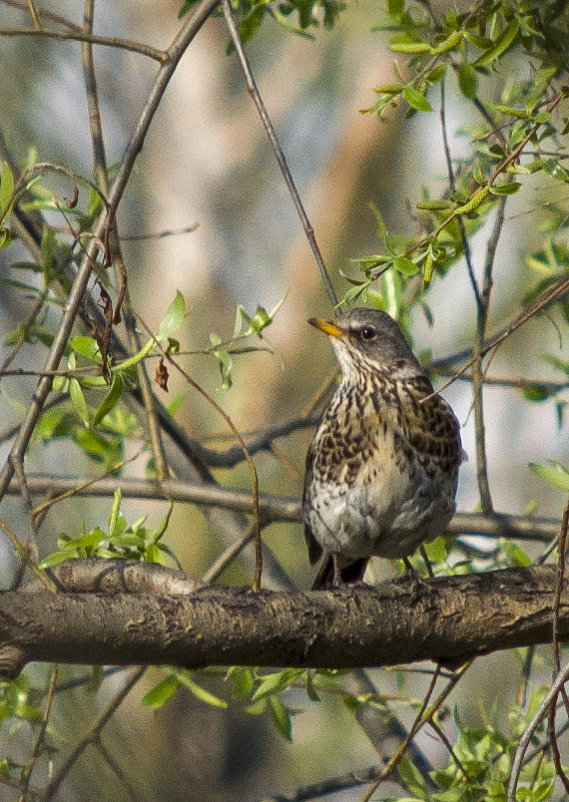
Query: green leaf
pixel 257 708
pixel 281 716
pixel 536 394
pixel 98 447
pixel 395 7
pixel 405 266
pixel 54 559
pixel 416 100
pixel 154 555
pixel 554 474
pixel 175 404
pixel 224 358
pixel 450 43
pixel 437 74
pixel 412 778
pixel 277 682
pixel 114 516
pixel 6 191
pixel 500 45
pixel 87 347
pixel 159 695
pixel 78 401
pixel 467 80
pixel 173 318
pixel 96 679
pixel 514 554
pixel 311 687
pixel 164 522
pixel 410 47
pixel 111 399
pixel 242 679
pixel 199 692
pixel 505 189
pixel 382 231
pixel 437 550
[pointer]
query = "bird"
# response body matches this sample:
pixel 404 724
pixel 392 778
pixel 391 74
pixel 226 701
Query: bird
pixel 382 466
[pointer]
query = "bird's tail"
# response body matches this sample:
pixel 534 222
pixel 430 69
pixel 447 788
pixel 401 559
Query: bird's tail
pixel 351 573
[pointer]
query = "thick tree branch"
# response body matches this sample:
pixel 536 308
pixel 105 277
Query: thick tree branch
pixel 451 618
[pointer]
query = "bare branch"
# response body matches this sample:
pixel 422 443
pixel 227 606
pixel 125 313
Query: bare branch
pixel 272 507
pixel 82 36
pixel 278 151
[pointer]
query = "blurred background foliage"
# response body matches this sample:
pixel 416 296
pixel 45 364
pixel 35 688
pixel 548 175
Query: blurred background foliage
pixel 360 125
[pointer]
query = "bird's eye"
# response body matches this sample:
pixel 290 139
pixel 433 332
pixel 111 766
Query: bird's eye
pixel 368 333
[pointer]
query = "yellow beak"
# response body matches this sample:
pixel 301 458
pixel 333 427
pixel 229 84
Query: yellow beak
pixel 327 327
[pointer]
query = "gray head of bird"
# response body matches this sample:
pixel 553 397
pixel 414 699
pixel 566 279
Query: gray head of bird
pixel 368 341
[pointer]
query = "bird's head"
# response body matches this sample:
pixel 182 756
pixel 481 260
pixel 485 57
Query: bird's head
pixel 369 340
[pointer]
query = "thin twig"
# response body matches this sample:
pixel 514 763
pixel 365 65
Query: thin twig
pixel 451 181
pixel 228 555
pixel 115 768
pixel 80 36
pixel 250 463
pixel 526 738
pixel 27 770
pixel 170 232
pixel 483 309
pixel 423 716
pixel 561 557
pixel 553 293
pixel 278 151
pixel 92 735
pixel 100 166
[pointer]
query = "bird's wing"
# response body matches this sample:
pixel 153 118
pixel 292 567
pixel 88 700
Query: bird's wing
pixel 313 546
pixel 431 426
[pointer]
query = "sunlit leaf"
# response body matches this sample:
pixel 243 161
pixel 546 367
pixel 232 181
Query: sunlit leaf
pixel 554 474
pixel 199 692
pixel 416 100
pixel 111 399
pixel 160 693
pixel 78 401
pixel 173 318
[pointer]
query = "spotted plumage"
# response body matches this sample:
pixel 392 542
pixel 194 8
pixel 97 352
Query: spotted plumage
pixel 382 468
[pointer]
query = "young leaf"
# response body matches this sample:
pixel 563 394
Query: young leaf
pixel 157 696
pixel 6 191
pixel 115 513
pixel 78 401
pixel 416 100
pixel 554 474
pixel 281 716
pixel 405 266
pixel 277 682
pixel 111 399
pixel 499 46
pixel 199 692
pixel 173 318
pixel 87 347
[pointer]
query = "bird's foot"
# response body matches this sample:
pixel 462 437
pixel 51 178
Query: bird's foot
pixel 413 580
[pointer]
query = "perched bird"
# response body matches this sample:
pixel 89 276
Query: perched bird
pixel 382 467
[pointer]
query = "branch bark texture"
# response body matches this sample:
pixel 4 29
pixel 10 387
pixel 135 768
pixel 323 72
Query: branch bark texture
pixel 451 619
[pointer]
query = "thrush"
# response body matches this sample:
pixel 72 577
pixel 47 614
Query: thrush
pixel 382 467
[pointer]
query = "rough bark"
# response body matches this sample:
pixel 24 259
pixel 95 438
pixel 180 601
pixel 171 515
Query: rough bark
pixel 451 618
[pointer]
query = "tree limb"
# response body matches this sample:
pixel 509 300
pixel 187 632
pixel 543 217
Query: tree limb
pixel 451 618
pixel 272 507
